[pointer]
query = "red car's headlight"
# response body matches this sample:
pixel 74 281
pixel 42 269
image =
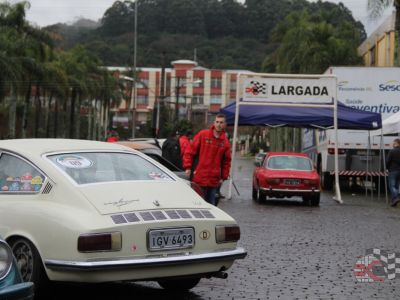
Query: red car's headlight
pixel 227 233
pixel 93 242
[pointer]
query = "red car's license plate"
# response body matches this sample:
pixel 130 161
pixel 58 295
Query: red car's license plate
pixel 291 181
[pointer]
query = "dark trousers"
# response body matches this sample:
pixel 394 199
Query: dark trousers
pixel 209 194
pixel 394 177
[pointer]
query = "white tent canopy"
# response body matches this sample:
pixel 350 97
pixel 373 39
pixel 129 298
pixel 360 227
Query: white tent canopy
pixel 390 125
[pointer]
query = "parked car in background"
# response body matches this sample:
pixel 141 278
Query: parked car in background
pixel 154 141
pixel 284 175
pixel 155 153
pixel 12 286
pixel 100 212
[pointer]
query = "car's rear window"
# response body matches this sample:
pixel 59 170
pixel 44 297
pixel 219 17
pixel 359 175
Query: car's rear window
pixel 289 163
pixel 95 167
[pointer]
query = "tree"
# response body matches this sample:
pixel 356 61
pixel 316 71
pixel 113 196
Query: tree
pixel 306 43
pixel 375 8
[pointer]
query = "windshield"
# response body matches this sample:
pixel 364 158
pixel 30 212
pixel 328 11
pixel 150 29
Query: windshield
pixel 290 163
pixel 94 167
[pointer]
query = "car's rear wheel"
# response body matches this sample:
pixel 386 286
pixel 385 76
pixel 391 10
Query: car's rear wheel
pixel 312 200
pixel 261 197
pixel 29 261
pixel 254 194
pixel 315 199
pixel 179 285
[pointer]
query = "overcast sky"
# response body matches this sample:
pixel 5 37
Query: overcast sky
pixel 46 12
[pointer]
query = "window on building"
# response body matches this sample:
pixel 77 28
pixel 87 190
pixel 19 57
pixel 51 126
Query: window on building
pixel 233 85
pixel 142 100
pixel 216 99
pixel 216 82
pixel 198 99
pixel 198 82
pixel 143 83
pixel 180 81
pixel 372 54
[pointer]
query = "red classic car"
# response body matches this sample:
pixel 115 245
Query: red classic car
pixel 286 174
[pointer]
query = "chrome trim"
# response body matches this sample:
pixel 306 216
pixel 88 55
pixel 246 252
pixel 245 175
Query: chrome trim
pixel 146 262
pixel 289 190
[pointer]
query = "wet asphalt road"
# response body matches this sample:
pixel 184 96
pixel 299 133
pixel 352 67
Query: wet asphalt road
pixel 294 251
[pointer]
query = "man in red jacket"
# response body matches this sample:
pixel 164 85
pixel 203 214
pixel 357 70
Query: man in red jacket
pixel 213 152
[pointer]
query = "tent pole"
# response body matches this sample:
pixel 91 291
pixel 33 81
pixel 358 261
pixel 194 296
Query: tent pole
pixel 235 131
pixel 379 169
pixel 384 167
pixel 338 196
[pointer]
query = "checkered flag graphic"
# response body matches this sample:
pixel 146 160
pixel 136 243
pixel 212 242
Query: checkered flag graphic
pixel 259 88
pixel 390 261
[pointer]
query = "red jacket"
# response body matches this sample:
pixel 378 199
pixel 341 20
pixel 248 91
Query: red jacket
pixel 184 143
pixel 214 160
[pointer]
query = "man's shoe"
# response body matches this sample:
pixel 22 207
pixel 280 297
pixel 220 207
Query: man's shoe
pixel 395 201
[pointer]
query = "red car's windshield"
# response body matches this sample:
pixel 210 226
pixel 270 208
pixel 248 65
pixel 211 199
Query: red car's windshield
pixel 289 163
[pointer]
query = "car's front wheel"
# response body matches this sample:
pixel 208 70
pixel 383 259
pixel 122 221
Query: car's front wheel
pixel 28 261
pixel 179 285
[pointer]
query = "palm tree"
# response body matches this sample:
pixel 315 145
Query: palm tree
pixel 376 8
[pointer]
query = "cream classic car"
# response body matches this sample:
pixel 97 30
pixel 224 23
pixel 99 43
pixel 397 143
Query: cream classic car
pixel 85 211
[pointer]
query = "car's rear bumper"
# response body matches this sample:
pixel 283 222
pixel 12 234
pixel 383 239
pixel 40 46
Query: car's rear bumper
pixel 20 291
pixel 296 191
pixel 146 262
pixel 282 192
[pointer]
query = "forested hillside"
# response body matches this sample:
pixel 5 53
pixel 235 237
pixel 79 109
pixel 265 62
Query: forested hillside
pixel 222 34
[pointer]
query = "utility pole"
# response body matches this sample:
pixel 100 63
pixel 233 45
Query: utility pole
pixel 177 91
pixel 133 98
pixel 162 95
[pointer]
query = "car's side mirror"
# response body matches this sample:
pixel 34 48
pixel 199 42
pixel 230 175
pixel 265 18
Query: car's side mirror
pixel 257 163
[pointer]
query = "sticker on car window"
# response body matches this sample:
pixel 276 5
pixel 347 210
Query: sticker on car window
pixel 74 161
pixel 158 176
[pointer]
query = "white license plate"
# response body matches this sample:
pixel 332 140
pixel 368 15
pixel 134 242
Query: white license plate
pixel 291 181
pixel 171 238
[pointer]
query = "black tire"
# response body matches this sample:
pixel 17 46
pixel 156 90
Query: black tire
pixel 29 262
pixel 179 285
pixel 327 181
pixel 314 200
pixel 311 200
pixel 254 194
pixel 261 197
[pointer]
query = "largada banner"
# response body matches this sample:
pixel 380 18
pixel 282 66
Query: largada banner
pixel 289 90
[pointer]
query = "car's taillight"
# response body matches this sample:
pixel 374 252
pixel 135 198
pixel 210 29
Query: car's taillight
pixel 340 151
pixel 227 233
pixel 92 242
pixel 273 180
pixel 310 182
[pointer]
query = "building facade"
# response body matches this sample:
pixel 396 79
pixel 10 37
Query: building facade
pixel 378 49
pixel 191 91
